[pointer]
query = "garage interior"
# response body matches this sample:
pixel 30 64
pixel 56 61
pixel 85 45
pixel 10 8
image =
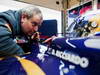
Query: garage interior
pixel 66 43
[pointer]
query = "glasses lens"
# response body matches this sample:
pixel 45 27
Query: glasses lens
pixel 35 24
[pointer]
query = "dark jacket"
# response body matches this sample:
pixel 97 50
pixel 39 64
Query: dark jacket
pixel 7 44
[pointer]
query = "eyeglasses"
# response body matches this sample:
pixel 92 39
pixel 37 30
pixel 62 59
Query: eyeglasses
pixel 36 24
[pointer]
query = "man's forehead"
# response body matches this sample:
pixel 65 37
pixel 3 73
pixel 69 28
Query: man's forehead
pixel 37 19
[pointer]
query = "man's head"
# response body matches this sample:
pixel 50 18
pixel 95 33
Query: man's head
pixel 31 19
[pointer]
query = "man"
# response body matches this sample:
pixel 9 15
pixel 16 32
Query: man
pixel 12 23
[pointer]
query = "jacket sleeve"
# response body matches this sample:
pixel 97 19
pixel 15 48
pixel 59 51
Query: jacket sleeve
pixel 8 46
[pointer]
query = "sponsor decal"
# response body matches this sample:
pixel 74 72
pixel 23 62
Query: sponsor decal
pixel 70 57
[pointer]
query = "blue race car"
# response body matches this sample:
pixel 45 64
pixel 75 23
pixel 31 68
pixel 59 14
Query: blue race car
pixel 77 55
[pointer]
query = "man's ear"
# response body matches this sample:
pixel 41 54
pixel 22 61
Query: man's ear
pixel 23 17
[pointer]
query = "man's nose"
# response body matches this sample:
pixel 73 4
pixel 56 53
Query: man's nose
pixel 36 28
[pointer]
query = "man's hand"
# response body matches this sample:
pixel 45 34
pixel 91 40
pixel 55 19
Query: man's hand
pixel 35 36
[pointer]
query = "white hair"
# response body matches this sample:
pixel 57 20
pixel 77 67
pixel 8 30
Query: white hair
pixel 31 11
